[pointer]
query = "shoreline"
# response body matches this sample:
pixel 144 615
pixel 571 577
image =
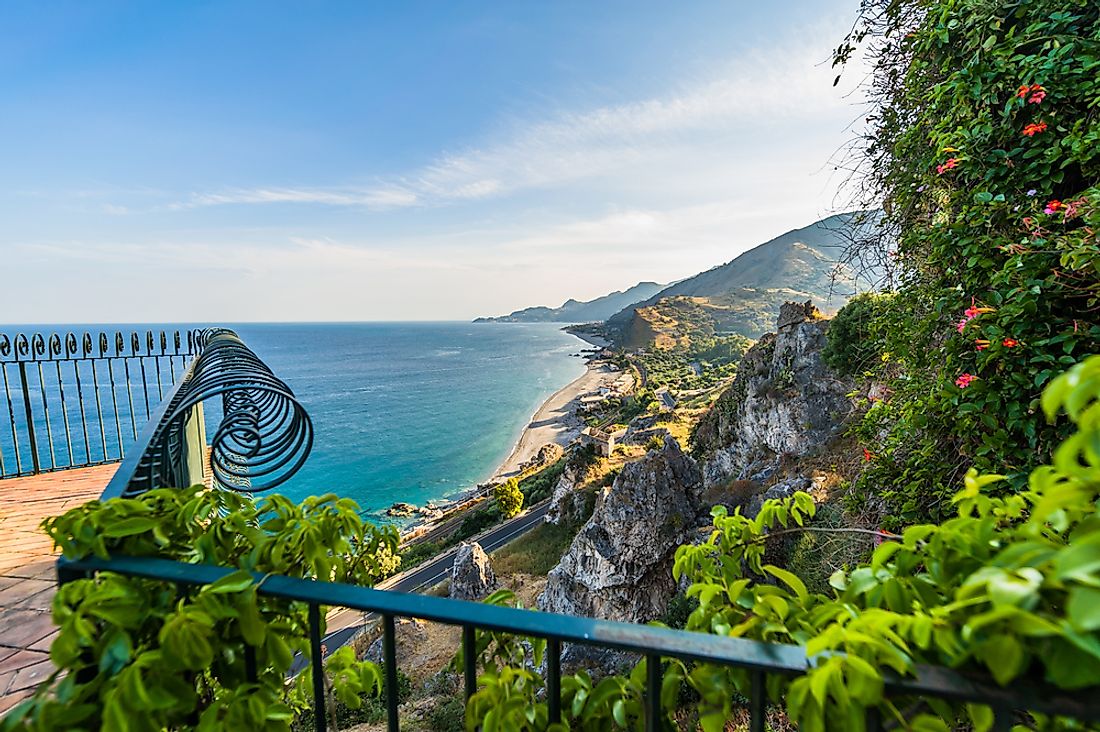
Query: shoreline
pixel 555 421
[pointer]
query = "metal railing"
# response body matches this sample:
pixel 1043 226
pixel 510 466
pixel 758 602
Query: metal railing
pixel 265 433
pixel 654 643
pixel 74 401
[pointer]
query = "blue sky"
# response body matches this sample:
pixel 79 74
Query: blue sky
pixel 366 161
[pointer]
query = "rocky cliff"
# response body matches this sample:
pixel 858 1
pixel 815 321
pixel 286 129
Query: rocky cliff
pixel 620 564
pixel 784 402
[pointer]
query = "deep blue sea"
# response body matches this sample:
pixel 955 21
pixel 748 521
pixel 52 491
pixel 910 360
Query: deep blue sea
pixel 405 411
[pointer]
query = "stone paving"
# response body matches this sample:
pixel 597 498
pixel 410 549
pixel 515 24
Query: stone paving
pixel 27 576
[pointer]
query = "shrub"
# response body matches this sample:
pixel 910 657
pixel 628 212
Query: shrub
pixel 985 146
pixel 853 342
pixel 509 498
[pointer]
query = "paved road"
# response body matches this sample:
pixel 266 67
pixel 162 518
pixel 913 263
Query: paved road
pixel 344 623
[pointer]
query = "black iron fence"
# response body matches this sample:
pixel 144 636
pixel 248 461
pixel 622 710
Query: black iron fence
pixel 73 401
pixel 263 434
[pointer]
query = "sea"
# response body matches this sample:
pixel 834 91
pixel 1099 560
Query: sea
pixel 404 411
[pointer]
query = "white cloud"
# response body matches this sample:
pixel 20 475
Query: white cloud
pixel 696 127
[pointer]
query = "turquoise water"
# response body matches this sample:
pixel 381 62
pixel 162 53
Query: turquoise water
pixel 413 411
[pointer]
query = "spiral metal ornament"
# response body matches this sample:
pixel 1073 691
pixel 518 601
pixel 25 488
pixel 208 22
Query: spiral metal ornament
pixel 265 434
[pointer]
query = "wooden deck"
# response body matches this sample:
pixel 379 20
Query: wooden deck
pixel 27 578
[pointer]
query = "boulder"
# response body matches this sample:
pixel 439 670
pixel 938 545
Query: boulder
pixel 548 454
pixel 401 509
pixel 472 575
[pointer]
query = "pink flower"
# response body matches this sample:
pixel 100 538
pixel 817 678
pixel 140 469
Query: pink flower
pixel 964 381
pixel 961 325
pixel 981 344
pixel 1037 97
pixel 1054 207
pixel 949 164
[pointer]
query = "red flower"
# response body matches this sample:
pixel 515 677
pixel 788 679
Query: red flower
pixel 981 344
pixel 1010 343
pixel 964 381
pixel 1037 92
pixel 974 311
pixel 1034 129
pixel 1054 207
pixel 949 164
pixel 868 456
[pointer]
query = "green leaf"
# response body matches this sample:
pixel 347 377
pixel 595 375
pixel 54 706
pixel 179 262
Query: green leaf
pixel 1083 608
pixel 791 580
pixel 235 582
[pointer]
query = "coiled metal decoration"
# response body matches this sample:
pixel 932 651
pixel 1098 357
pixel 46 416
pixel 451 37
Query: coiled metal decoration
pixel 264 437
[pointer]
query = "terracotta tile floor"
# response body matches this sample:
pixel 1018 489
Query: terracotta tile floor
pixel 27 577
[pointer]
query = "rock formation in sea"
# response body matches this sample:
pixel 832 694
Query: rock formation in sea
pixel 472 576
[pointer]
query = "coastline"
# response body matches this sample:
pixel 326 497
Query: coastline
pixel 554 422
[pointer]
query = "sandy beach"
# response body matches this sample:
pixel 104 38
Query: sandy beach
pixel 556 420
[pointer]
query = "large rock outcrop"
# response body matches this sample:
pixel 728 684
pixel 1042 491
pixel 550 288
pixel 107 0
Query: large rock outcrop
pixel 784 402
pixel 472 576
pixel 620 563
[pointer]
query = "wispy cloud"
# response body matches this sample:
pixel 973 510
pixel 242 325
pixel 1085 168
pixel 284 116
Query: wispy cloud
pixel 378 198
pixel 699 122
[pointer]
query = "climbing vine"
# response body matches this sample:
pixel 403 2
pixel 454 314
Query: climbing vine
pixel 985 148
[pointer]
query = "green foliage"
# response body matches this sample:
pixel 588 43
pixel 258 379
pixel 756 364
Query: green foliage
pixel 698 362
pixel 540 486
pixel 986 147
pixel 509 498
pixel 1007 587
pixel 853 344
pixel 474 522
pixel 450 716
pixel 421 551
pixel 145 655
pixel 537 552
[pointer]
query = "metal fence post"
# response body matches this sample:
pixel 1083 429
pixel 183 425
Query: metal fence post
pixel 30 417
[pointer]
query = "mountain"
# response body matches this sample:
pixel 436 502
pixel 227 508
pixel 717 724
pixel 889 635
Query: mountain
pixel 744 295
pixel 574 311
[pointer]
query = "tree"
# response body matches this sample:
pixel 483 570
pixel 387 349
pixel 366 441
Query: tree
pixel 509 497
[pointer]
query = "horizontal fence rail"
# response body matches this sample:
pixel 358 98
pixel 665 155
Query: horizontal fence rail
pixel 73 401
pixel 654 643
pixel 263 434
